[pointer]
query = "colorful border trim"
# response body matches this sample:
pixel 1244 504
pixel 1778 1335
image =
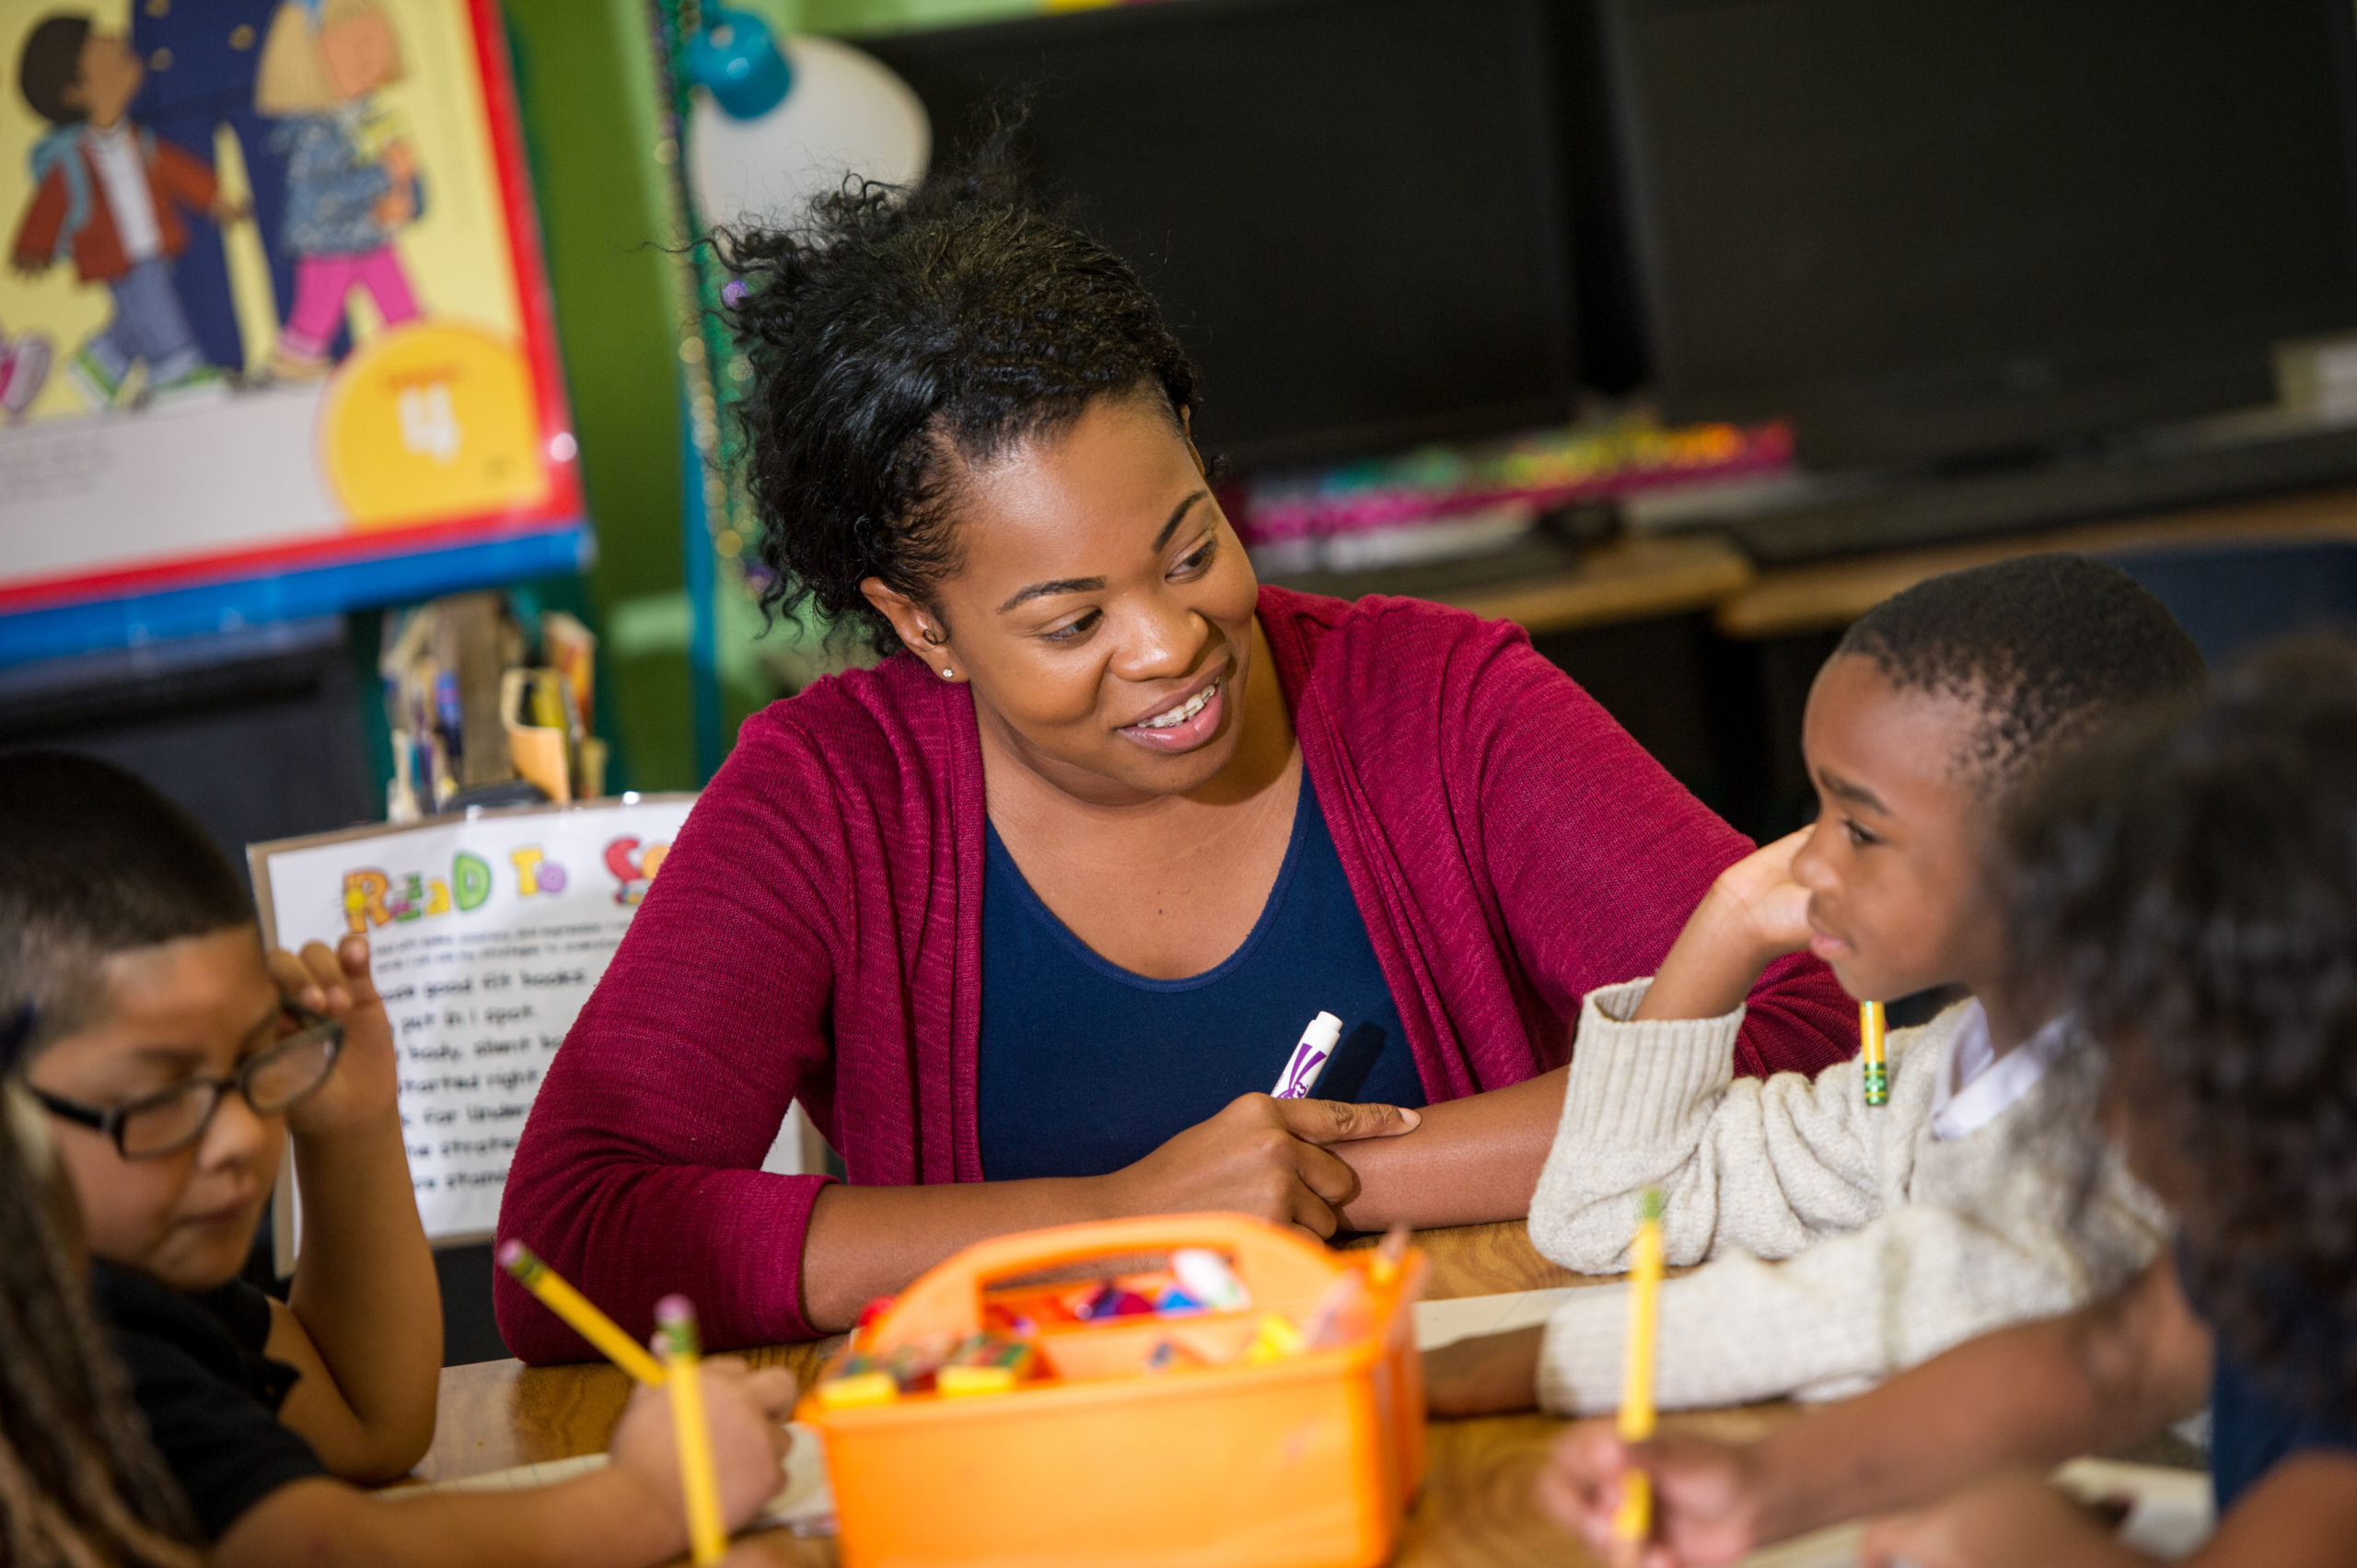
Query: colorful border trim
pixel 191 609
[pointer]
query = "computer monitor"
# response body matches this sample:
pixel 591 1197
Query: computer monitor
pixel 1350 209
pixel 1940 227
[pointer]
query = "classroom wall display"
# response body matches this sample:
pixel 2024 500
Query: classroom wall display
pixel 274 334
pixel 488 932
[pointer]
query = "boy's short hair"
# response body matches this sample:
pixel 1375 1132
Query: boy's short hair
pixel 52 61
pixel 94 861
pixel 2052 648
pixel 2191 895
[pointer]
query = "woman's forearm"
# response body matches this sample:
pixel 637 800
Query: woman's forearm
pixel 1472 1160
pixel 1278 1160
pixel 869 1241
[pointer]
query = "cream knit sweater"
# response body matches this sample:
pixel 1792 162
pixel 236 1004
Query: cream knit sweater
pixel 1899 1245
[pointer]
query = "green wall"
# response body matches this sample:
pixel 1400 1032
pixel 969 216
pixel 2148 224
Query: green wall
pixel 587 93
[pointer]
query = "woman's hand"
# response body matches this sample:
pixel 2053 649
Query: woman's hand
pixel 1707 1496
pixel 364 1084
pixel 1260 1156
pixel 1753 914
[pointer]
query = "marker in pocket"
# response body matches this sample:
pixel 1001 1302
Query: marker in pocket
pixel 1309 1058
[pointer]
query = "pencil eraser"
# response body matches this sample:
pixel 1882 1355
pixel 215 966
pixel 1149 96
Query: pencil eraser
pixel 512 1254
pixel 674 1310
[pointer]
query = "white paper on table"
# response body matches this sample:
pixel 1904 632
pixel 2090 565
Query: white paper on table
pixel 1442 1323
pixel 2169 1515
pixel 805 1507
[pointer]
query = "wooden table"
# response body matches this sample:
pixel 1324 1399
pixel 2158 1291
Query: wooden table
pixel 1476 1505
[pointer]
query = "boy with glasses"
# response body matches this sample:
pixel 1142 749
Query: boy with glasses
pixel 177 1061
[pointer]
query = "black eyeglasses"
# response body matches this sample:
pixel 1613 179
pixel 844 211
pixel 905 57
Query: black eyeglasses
pixel 168 1120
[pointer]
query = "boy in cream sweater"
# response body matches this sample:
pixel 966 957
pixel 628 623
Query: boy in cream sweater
pixel 1846 1241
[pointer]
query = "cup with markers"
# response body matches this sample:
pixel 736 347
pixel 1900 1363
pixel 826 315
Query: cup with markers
pixel 1172 1390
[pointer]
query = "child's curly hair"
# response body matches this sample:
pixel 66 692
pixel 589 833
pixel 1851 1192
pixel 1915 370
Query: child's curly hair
pixel 2195 897
pixel 900 334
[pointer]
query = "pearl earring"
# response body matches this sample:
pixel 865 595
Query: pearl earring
pixel 947 674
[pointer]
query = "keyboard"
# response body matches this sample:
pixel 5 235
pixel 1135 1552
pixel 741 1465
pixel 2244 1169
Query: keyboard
pixel 1934 510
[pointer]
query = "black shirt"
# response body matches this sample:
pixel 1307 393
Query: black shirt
pixel 209 1396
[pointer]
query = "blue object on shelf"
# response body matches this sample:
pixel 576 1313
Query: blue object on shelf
pixel 2231 599
pixel 704 625
pixel 737 59
pixel 360 584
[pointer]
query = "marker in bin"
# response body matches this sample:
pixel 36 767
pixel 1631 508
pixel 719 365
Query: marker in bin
pixel 1309 1058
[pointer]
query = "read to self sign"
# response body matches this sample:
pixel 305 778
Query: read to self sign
pixel 373 897
pixel 488 933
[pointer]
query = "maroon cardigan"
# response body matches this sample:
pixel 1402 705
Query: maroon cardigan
pixel 816 934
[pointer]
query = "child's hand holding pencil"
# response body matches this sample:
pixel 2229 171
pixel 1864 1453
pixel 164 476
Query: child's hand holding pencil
pixel 745 1411
pixel 1707 1499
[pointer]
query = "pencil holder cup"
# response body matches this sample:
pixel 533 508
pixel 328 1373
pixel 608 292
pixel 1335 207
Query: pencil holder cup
pixel 1146 1440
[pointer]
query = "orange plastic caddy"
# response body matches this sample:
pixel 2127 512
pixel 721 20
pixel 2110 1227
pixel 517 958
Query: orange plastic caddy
pixel 1305 1461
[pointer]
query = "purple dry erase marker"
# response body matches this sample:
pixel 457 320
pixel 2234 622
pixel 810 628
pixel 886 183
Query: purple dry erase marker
pixel 1309 1058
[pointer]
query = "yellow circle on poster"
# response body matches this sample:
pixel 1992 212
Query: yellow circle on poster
pixel 431 422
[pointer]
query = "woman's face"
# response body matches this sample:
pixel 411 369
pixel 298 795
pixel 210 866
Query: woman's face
pixel 1102 608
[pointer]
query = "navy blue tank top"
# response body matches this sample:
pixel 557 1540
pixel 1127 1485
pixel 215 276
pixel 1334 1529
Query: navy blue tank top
pixel 1087 1067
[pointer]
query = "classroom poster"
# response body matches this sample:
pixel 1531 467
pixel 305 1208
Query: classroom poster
pixel 273 311
pixel 488 933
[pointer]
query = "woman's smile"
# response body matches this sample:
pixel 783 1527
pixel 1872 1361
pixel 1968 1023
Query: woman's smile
pixel 1186 721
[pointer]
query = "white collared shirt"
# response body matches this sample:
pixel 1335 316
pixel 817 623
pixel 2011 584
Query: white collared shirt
pixel 1975 1085
pixel 122 169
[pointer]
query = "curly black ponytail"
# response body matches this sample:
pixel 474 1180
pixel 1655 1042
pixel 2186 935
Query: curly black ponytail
pixel 897 333
pixel 2193 895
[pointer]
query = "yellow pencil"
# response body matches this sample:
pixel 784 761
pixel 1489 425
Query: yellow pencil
pixel 1635 1520
pixel 1874 1057
pixel 579 1315
pixel 675 1321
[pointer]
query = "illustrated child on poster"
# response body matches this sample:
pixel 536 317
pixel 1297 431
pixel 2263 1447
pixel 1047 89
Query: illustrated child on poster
pixel 107 193
pixel 351 179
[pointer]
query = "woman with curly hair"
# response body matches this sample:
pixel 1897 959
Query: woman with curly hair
pixel 2195 901
pixel 1032 914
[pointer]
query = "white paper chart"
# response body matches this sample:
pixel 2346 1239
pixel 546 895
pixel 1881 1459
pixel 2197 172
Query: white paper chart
pixel 488 933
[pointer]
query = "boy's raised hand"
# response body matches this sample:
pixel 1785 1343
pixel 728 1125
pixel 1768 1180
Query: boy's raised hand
pixel 1759 902
pixel 365 1085
pixel 1706 1495
pixel 1753 914
pixel 747 1411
